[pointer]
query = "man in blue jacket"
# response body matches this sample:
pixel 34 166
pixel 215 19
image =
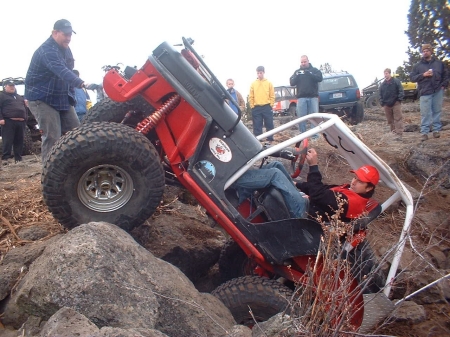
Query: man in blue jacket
pixel 431 76
pixel 49 86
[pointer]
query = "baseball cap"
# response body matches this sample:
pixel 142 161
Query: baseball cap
pixel 8 83
pixel 64 26
pixel 367 174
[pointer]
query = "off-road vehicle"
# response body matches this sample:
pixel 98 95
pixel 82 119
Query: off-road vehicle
pixel 170 121
pixel 32 133
pixel 285 101
pixel 339 93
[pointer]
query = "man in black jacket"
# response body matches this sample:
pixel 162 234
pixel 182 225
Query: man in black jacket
pixel 306 79
pixel 13 115
pixel 432 78
pixel 391 95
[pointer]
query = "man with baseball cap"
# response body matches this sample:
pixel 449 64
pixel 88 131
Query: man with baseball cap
pixel 432 78
pixel 13 116
pixel 49 86
pixel 325 200
pixel 63 26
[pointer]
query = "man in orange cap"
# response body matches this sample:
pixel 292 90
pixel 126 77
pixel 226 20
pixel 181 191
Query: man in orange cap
pixel 325 200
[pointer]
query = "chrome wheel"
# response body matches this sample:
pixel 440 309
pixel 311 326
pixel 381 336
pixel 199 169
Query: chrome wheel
pixel 105 188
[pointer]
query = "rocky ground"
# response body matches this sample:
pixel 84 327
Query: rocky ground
pixel 23 214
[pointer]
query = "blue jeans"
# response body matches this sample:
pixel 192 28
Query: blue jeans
pixel 80 116
pixel 52 123
pixel 430 112
pixel 306 106
pixel 273 174
pixel 262 114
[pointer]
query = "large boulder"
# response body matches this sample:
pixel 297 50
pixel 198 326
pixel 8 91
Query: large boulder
pixel 98 270
pixel 180 233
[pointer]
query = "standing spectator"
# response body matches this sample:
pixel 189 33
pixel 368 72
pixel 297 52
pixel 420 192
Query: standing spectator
pixel 391 95
pixel 261 100
pixel 236 96
pixel 306 79
pixel 49 86
pixel 431 76
pixel 83 101
pixel 13 115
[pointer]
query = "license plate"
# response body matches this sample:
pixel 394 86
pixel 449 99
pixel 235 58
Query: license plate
pixel 337 95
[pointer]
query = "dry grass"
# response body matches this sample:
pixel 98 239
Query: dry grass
pixel 22 207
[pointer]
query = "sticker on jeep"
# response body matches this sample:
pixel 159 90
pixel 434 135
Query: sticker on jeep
pixel 206 169
pixel 220 149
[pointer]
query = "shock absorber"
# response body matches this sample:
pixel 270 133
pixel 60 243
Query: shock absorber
pixel 151 121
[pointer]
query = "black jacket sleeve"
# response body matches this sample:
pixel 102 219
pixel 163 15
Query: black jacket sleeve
pixel 317 75
pixel 293 79
pixel 322 198
pixel 401 91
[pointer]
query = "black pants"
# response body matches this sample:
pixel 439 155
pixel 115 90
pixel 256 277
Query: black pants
pixel 12 136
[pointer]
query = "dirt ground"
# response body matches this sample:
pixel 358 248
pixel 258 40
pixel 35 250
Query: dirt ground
pixel 21 204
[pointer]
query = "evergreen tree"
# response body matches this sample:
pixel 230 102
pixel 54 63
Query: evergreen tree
pixel 326 68
pixel 429 22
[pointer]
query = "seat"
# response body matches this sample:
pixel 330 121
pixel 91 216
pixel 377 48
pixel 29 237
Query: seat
pixel 272 203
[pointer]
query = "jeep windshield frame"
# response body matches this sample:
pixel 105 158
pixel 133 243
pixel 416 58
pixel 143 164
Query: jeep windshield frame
pixel 284 92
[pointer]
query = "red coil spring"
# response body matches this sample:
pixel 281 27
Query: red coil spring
pixel 151 121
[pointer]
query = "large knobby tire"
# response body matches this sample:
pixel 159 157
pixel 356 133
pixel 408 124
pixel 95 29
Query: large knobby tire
pixel 233 262
pixel 372 102
pixel 27 142
pixel 108 110
pixel 103 172
pixel 357 115
pixel 265 298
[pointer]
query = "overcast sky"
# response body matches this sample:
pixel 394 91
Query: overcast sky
pixel 362 37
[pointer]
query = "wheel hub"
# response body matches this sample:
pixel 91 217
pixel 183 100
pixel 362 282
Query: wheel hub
pixel 105 188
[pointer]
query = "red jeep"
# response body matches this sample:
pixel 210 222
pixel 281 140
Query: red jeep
pixel 285 101
pixel 169 122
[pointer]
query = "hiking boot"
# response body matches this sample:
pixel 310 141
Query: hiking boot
pixel 436 134
pixel 424 137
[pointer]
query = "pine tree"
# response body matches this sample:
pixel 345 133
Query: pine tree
pixel 326 68
pixel 429 22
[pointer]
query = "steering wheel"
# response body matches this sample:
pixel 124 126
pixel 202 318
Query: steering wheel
pixel 301 149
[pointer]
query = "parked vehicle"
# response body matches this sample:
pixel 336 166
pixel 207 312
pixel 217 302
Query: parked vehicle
pixel 371 93
pixel 32 132
pixel 339 93
pixel 285 101
pixel 171 119
pixel 409 88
